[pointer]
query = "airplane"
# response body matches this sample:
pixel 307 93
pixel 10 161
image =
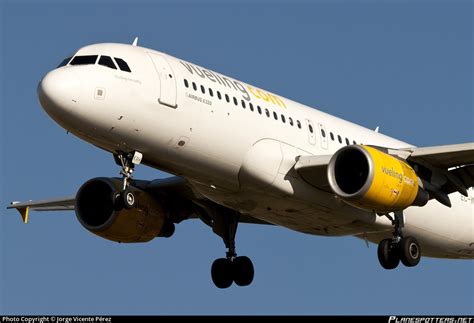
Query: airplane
pixel 241 154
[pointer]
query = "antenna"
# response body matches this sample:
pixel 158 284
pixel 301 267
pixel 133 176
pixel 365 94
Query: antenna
pixel 135 41
pixel 377 129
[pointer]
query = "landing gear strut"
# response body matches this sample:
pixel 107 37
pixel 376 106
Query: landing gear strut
pixel 232 268
pixel 405 249
pixel 127 161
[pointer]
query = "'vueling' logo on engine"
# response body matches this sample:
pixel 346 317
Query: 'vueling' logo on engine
pixel 397 175
pixel 392 172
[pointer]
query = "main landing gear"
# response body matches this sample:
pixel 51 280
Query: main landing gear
pixel 127 161
pixel 232 268
pixel 405 249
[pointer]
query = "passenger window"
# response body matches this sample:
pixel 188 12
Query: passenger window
pixel 235 101
pixel 84 60
pixel 310 128
pixel 186 84
pixel 251 106
pixel 243 104
pixel 210 92
pixel 290 120
pixel 283 118
pixel 275 115
pixel 227 98
pixel 122 64
pixel 339 138
pixel 323 133
pixel 107 62
pixel 259 109
pixel 64 62
pixel 347 142
pixel 298 123
pixel 219 95
pixel 332 136
pixel 267 113
pixel 203 90
pixel 194 86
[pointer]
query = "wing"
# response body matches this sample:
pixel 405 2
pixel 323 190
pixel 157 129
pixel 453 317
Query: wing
pixel 450 168
pixel 57 204
pixel 445 156
pixel 444 169
pixel 175 190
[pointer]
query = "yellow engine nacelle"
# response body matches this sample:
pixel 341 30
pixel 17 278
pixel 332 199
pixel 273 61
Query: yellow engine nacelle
pixel 373 180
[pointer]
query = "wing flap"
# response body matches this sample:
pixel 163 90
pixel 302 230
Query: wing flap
pixel 465 174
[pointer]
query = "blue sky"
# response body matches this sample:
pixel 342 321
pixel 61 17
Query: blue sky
pixel 406 67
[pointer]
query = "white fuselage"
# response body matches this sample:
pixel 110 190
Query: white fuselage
pixel 234 152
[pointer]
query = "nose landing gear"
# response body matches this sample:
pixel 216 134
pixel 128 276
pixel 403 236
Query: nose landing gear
pixel 405 249
pixel 127 161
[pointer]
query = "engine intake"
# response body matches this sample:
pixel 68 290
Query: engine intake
pixel 373 180
pixel 96 210
pixel 95 204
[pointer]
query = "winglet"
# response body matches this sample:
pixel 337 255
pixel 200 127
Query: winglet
pixel 135 41
pixel 24 213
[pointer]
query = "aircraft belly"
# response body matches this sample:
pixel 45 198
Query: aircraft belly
pixel 287 211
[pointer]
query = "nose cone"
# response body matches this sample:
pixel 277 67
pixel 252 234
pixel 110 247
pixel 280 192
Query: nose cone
pixel 58 92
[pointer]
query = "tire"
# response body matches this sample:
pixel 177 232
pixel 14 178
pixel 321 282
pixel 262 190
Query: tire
pixel 128 199
pixel 243 271
pixel 409 251
pixel 117 201
pixel 388 254
pixel 221 273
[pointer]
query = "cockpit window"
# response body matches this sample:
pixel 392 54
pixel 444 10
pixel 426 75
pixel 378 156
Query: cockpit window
pixel 107 61
pixel 122 64
pixel 84 60
pixel 64 62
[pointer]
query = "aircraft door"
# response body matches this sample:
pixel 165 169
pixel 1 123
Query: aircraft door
pixel 324 136
pixel 311 132
pixel 167 80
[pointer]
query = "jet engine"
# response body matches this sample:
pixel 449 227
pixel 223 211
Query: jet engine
pixel 99 211
pixel 370 179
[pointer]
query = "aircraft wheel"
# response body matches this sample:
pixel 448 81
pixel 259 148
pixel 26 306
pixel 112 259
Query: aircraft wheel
pixel 409 251
pixel 243 271
pixel 117 201
pixel 221 273
pixel 128 199
pixel 388 254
